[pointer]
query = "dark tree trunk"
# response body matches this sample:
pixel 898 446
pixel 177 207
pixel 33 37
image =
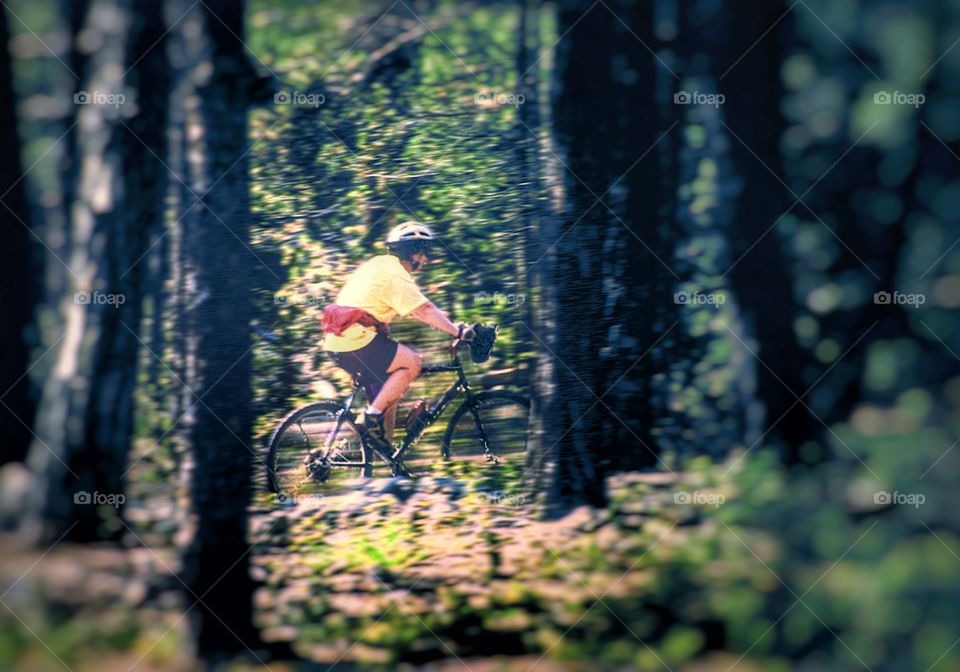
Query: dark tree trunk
pixel 602 258
pixel 761 275
pixel 567 382
pixel 219 310
pixel 19 278
pixel 649 341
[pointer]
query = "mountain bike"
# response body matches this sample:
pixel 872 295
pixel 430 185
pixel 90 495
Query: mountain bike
pixel 315 441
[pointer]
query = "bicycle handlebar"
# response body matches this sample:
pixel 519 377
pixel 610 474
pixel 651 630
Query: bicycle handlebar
pixel 456 343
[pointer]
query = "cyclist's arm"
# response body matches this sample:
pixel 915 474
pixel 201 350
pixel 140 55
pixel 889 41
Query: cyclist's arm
pixel 431 315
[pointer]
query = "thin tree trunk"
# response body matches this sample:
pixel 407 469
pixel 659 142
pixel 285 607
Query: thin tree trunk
pixel 528 132
pixel 19 277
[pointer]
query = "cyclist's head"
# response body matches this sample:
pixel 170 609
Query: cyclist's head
pixel 408 240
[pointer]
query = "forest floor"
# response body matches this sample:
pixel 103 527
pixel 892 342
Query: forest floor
pixel 455 568
pixel 448 571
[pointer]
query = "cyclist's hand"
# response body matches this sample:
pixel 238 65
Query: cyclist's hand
pixel 466 332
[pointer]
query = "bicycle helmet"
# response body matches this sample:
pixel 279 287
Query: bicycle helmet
pixel 408 239
pixel 409 231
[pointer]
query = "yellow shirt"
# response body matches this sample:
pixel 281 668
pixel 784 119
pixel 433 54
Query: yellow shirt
pixel 383 288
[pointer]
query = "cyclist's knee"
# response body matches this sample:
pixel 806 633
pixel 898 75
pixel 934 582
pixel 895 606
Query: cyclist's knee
pixel 416 363
pixel 408 359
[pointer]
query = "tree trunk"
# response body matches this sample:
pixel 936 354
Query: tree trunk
pixel 761 275
pixel 85 420
pixel 527 131
pixel 648 337
pixel 219 310
pixel 603 257
pixel 19 277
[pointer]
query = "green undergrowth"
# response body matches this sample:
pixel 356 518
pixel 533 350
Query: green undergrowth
pixel 683 567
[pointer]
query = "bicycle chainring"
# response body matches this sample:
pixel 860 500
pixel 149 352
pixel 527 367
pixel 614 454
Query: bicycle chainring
pixel 318 466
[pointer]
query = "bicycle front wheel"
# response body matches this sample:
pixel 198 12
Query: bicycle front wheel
pixel 489 422
pixel 312 445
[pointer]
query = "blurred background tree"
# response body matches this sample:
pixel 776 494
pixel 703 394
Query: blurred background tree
pixel 19 297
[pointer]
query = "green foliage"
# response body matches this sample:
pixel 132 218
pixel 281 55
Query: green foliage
pixel 410 142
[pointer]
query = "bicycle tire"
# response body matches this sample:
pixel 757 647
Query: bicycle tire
pixel 297 415
pixel 488 399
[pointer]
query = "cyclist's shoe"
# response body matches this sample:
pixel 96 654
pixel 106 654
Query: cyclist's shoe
pixel 374 435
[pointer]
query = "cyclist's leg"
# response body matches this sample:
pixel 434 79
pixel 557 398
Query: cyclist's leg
pixel 390 419
pixel 403 371
pixel 385 370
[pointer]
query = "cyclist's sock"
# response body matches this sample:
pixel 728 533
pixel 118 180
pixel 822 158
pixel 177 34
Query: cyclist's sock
pixel 373 410
pixel 374 431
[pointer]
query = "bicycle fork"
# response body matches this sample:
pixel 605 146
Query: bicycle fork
pixel 481 430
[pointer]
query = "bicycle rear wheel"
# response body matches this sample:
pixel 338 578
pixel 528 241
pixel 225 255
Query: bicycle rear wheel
pixel 497 418
pixel 308 448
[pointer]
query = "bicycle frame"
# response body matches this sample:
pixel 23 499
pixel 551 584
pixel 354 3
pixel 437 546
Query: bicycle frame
pixel 430 414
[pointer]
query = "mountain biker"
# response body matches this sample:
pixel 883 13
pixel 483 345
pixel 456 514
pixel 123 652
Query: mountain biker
pixel 376 293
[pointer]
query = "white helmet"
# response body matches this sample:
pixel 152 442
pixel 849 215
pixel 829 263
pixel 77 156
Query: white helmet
pixel 409 231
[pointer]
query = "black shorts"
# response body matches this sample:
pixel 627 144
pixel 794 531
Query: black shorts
pixel 369 364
